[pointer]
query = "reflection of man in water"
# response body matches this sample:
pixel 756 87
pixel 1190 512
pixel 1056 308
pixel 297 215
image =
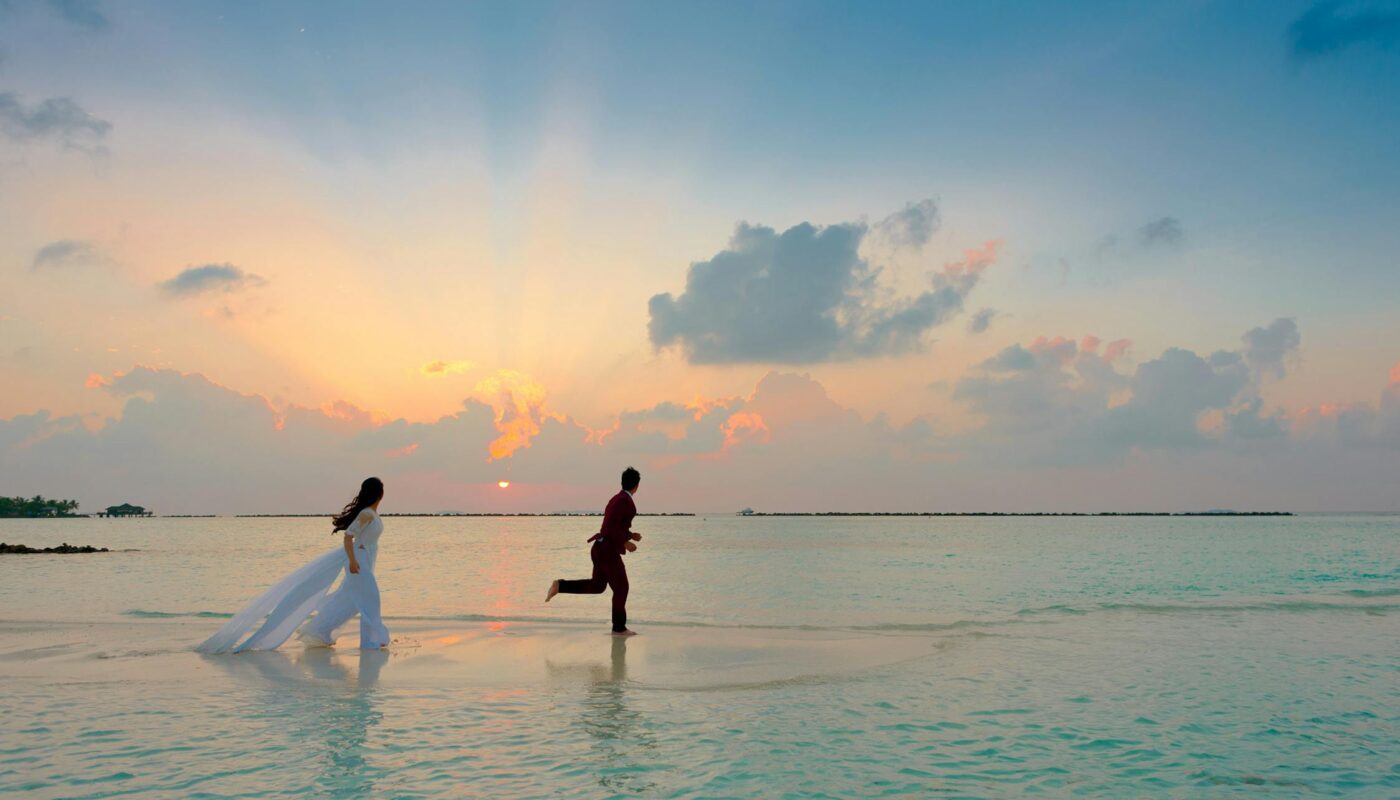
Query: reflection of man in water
pixel 598 674
pixel 621 737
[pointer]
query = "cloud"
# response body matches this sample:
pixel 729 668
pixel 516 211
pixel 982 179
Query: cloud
pixel 1058 401
pixel 59 119
pixel 981 321
pixel 210 278
pixel 1047 388
pixel 805 296
pixel 911 226
pixel 1011 359
pixel 1164 231
pixel 1169 393
pixel 1325 29
pixel 1250 422
pixel 207 447
pixel 1354 424
pixel 1269 351
pixel 1059 404
pixel 441 368
pixel 1054 409
pixel 65 252
pixel 82 13
pixel 518 403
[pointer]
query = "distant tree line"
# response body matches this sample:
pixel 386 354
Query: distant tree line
pixel 37 506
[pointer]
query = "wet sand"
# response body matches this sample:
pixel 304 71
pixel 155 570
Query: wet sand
pixel 466 654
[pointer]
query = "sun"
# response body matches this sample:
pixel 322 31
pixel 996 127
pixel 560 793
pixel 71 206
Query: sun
pixel 503 484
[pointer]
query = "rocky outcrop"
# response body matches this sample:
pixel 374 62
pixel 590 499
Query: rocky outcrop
pixel 19 549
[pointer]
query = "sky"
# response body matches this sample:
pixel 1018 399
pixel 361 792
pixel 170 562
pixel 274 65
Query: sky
pixel 790 256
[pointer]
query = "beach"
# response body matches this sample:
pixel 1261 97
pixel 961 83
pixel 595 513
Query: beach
pixel 833 657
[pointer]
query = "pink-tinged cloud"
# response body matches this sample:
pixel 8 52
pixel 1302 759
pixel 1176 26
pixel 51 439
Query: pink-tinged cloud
pixel 1116 349
pixel 1395 375
pixel 1089 344
pixel 1323 419
pixel 1059 348
pixel 744 426
pixel 96 381
pixel 206 448
pixel 976 259
pixel 349 412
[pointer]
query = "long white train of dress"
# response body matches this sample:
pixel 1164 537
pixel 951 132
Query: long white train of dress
pixel 280 609
pixel 284 607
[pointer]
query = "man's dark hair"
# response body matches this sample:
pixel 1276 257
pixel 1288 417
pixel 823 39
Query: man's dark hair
pixel 631 478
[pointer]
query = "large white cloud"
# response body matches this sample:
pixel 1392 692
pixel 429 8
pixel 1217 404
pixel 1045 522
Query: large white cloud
pixel 807 295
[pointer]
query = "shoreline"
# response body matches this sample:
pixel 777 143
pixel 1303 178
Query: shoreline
pixel 550 514
pixel 727 514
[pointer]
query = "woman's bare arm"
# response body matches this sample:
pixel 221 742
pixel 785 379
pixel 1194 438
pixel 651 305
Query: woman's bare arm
pixel 350 553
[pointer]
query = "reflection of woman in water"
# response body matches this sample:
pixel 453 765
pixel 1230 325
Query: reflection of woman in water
pixel 348 715
pixel 286 605
pixel 320 697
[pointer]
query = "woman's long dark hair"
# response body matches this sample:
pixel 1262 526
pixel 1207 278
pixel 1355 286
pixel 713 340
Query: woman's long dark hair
pixel 370 493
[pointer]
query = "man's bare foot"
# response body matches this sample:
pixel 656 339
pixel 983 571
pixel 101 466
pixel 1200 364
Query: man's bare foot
pixel 553 590
pixel 624 633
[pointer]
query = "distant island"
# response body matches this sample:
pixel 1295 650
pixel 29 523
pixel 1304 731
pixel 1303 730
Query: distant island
pixel 748 512
pixel 471 514
pixel 40 507
pixel 37 507
pixel 20 549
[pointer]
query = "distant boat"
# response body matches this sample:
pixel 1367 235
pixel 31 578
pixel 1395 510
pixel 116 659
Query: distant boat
pixel 748 512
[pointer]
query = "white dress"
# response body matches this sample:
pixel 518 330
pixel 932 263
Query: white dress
pixel 285 606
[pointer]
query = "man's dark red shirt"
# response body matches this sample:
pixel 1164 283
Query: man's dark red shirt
pixel 617 522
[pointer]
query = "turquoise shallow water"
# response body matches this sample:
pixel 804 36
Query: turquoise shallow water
pixel 1183 657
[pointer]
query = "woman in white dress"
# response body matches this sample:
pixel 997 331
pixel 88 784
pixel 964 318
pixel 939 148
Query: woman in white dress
pixel 306 592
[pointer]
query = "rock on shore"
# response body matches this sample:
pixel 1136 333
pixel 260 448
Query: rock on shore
pixel 14 549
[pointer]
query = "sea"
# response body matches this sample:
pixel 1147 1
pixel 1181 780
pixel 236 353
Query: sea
pixel 811 657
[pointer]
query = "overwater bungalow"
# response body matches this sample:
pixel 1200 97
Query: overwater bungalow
pixel 126 510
